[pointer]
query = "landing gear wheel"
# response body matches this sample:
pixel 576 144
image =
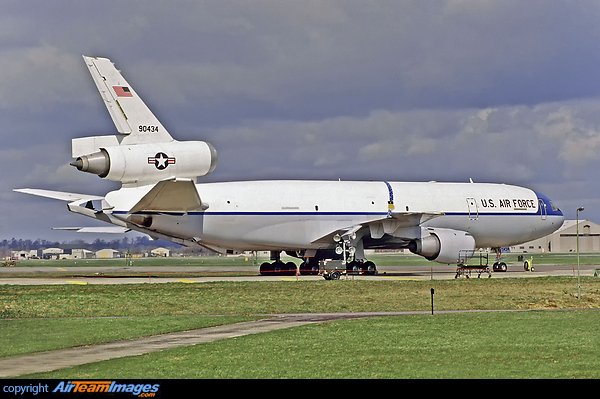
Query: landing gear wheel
pixel 284 269
pixel 290 269
pixel 369 268
pixel 308 268
pixel 354 267
pixel 499 267
pixel 266 269
pixel 278 267
pixel 335 275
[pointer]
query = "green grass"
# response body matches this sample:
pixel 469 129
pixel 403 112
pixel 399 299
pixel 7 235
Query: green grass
pixel 561 344
pixel 382 260
pixel 530 344
pixel 294 297
pixel 22 336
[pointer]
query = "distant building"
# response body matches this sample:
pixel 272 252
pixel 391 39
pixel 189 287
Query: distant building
pixel 81 254
pixel 33 254
pixel 107 254
pixel 565 239
pixel 160 251
pixel 52 253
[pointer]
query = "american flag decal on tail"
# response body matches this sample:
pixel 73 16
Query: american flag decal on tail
pixel 122 91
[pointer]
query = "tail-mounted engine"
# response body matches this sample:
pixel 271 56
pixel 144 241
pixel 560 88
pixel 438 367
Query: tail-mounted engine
pixel 444 245
pixel 143 163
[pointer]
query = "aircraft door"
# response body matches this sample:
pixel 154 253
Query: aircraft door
pixel 473 210
pixel 543 210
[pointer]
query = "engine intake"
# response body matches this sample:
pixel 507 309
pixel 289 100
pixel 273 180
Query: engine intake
pixel 150 162
pixel 444 245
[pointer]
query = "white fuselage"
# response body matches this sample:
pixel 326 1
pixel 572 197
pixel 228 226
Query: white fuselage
pixel 276 215
pixel 443 222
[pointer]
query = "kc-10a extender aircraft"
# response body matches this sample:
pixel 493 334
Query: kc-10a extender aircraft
pixel 311 220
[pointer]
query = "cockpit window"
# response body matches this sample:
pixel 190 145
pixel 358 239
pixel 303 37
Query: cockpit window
pixel 554 208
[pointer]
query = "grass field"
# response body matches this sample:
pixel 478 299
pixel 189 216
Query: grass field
pixel 537 344
pixel 483 345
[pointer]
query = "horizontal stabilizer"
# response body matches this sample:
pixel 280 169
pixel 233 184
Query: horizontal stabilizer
pixel 59 195
pixel 100 230
pixel 171 196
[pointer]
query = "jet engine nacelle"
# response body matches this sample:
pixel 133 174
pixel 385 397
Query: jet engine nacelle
pixel 150 162
pixel 444 245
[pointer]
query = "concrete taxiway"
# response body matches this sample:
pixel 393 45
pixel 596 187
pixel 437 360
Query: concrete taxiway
pixel 188 274
pixel 54 360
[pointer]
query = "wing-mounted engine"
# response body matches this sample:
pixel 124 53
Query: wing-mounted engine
pixel 143 163
pixel 443 245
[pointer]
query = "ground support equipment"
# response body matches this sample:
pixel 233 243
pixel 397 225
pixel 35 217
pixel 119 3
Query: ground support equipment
pixel 332 269
pixel 482 267
pixel 528 265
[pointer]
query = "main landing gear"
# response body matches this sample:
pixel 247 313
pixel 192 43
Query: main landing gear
pixel 365 267
pixel 314 266
pixel 278 268
pixel 321 264
pixel 334 269
pixel 352 254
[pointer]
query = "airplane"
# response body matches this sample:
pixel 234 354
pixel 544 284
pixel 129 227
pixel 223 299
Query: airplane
pixel 311 220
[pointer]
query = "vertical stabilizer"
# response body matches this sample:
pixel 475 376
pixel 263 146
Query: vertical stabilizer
pixel 132 118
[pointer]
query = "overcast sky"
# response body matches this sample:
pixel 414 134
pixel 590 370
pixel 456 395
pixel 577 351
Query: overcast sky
pixel 497 91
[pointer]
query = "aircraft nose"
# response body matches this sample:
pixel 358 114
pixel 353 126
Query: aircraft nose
pixel 550 209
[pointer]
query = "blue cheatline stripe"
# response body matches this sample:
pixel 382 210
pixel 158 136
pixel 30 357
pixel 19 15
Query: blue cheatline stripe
pixel 206 213
pixel 391 199
pixel 260 213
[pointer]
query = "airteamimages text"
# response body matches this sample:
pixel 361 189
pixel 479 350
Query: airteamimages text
pixel 141 390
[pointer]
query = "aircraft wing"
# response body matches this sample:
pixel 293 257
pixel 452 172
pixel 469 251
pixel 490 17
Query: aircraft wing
pixel 402 225
pixel 59 195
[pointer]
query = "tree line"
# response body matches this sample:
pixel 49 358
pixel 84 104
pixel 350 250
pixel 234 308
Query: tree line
pixel 126 243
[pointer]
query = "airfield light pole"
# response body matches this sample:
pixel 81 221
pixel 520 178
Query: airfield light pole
pixel 580 209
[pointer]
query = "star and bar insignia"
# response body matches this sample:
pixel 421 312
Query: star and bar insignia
pixel 161 160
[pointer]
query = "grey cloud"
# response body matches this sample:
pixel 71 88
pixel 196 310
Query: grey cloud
pixel 502 91
pixel 25 79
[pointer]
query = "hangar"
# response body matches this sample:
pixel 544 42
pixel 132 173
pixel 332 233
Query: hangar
pixel 565 239
pixel 160 251
pixel 33 254
pixel 107 253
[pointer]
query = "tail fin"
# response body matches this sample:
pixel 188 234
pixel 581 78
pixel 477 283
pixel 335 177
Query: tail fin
pixel 131 116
